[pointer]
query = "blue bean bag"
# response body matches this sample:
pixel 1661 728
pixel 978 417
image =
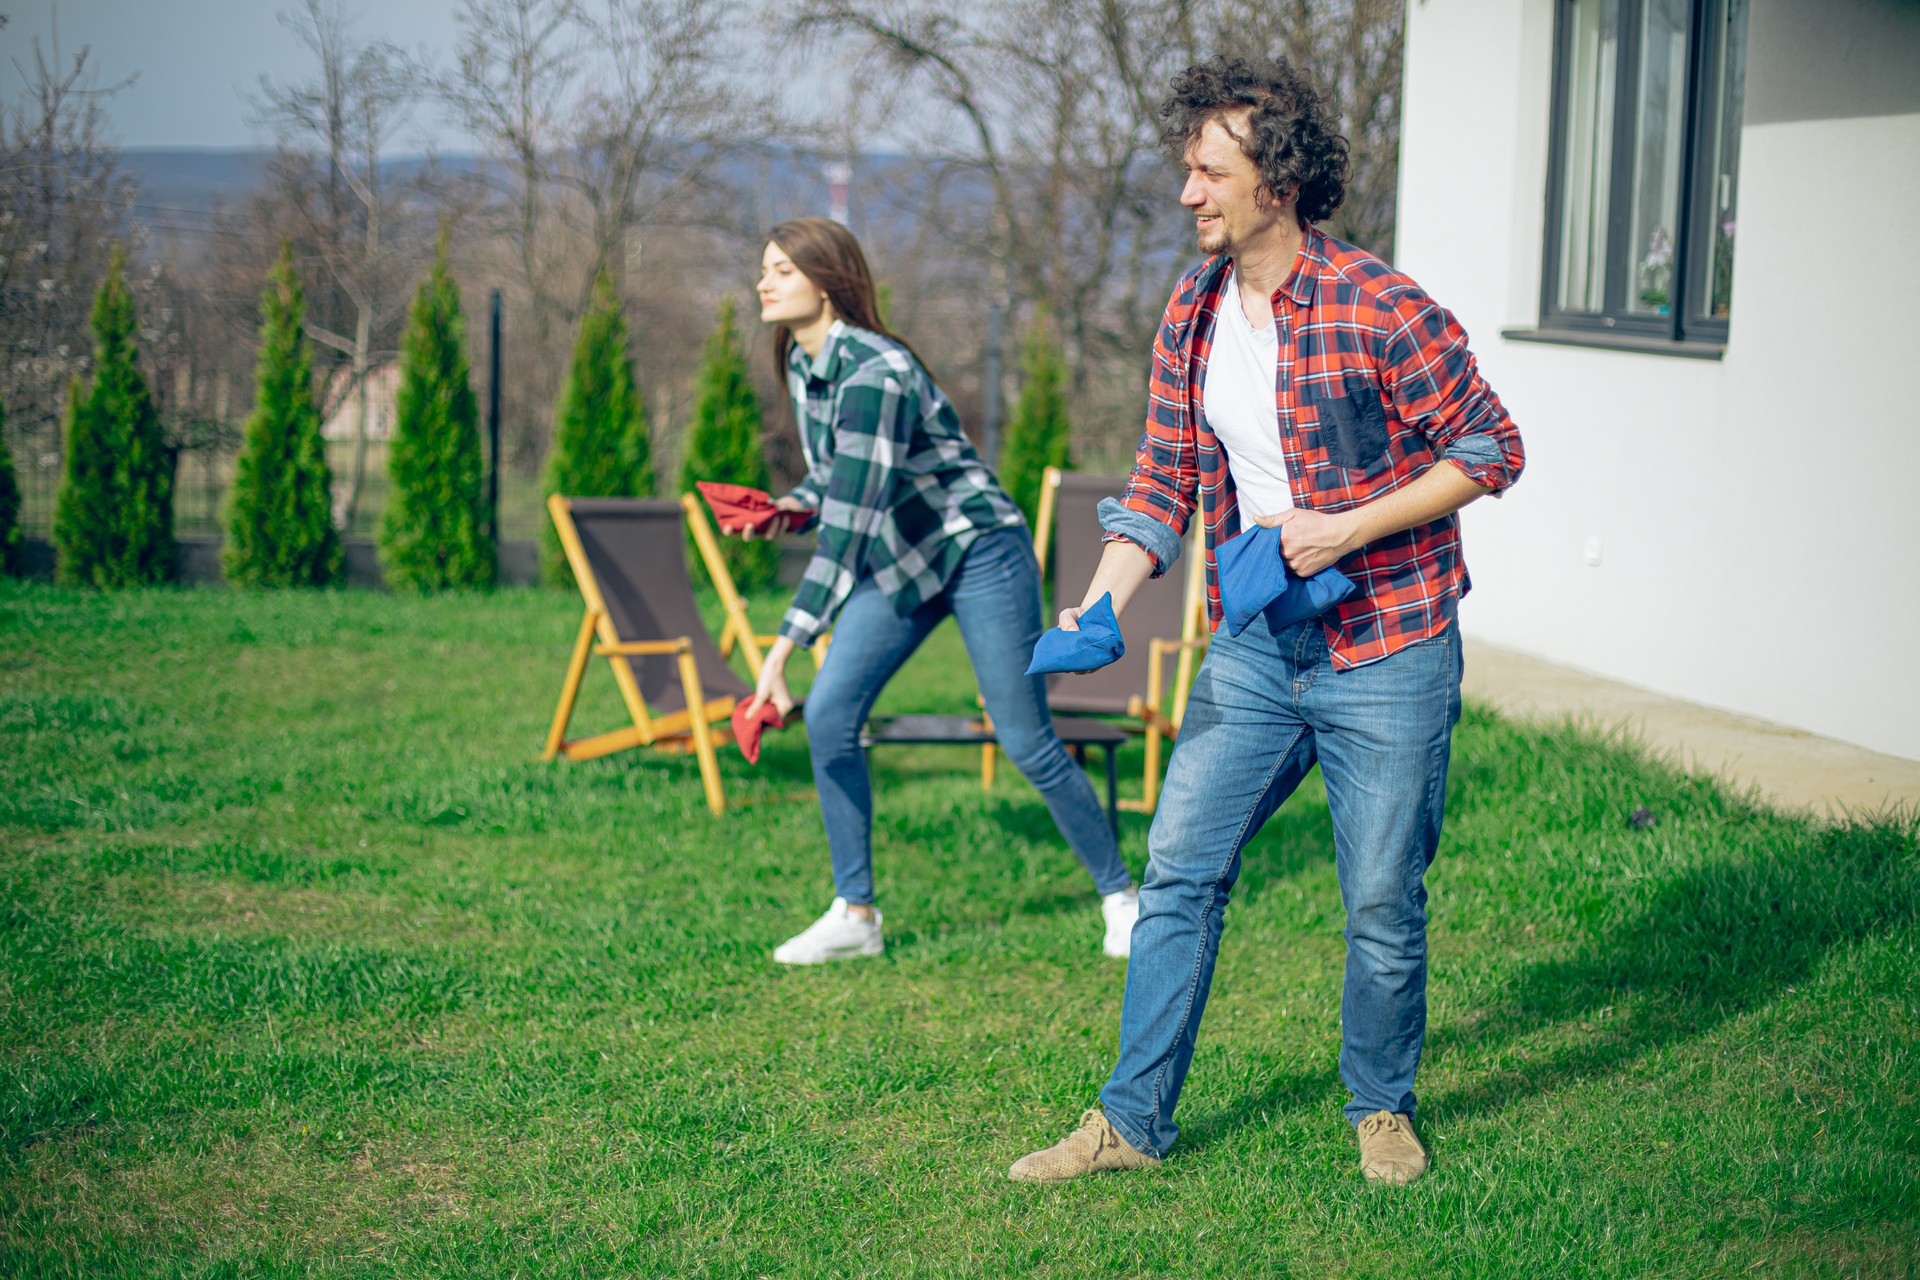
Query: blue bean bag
pixel 1254 579
pixel 1093 646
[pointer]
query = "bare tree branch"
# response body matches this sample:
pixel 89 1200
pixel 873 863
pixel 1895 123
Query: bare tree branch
pixel 63 198
pixel 360 95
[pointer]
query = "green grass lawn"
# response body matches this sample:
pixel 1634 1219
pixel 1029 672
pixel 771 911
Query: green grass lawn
pixel 308 968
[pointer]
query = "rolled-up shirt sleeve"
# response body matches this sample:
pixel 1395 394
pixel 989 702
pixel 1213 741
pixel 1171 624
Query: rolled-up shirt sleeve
pixel 1119 522
pixel 1436 387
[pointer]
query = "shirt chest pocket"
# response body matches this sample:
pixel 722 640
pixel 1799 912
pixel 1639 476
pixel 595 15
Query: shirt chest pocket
pixel 1352 426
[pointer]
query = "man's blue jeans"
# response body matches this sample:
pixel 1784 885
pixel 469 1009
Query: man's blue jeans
pixel 1265 707
pixel 995 597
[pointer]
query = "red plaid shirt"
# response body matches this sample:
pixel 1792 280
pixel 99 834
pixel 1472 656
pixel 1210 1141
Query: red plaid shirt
pixel 1375 385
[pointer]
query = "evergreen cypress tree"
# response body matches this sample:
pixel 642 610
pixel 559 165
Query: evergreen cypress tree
pixel 432 533
pixel 113 518
pixel 600 445
pixel 724 444
pixel 1037 434
pixel 10 552
pixel 82 530
pixel 280 525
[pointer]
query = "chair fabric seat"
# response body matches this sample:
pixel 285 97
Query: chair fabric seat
pixel 629 560
pixel 637 548
pixel 1154 610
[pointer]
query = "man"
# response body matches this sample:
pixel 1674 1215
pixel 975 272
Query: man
pixel 1302 382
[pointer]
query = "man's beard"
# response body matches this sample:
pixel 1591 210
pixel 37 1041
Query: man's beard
pixel 1212 239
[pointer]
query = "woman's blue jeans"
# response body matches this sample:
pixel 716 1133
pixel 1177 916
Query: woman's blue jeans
pixel 1265 707
pixel 995 597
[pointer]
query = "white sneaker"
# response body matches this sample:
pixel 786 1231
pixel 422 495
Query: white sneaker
pixel 837 935
pixel 1121 908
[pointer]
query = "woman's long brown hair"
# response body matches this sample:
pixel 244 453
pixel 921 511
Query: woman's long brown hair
pixel 827 254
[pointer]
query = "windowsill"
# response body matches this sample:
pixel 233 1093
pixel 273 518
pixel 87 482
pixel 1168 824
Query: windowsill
pixel 1603 341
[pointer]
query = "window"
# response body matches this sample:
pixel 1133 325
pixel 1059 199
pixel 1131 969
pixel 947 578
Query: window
pixel 1644 168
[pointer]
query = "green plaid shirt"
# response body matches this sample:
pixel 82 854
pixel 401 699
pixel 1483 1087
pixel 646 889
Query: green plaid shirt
pixel 900 491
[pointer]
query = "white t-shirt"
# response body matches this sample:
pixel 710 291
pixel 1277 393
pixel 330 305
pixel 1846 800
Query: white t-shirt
pixel 1240 406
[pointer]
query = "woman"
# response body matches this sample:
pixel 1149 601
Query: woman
pixel 914 527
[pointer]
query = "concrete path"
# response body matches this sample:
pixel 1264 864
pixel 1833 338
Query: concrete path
pixel 1792 768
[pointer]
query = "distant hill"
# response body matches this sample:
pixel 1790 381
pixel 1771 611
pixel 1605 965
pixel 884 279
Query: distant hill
pixel 195 181
pixel 181 187
pixel 190 178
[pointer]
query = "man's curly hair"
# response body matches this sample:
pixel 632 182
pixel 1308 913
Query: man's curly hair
pixel 1293 137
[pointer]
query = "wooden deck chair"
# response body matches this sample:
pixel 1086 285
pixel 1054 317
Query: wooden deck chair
pixel 1164 619
pixel 738 629
pixel 629 558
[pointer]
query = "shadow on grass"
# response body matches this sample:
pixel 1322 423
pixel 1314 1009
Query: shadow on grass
pixel 1052 904
pixel 1707 946
pixel 1026 818
pixel 1294 1093
pixel 1294 840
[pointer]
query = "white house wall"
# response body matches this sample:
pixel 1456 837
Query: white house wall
pixel 1755 518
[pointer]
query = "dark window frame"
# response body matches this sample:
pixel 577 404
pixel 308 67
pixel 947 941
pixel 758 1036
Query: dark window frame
pixel 1685 323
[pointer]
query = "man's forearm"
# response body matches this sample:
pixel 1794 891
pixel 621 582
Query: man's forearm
pixel 1313 540
pixel 1123 567
pixel 1440 491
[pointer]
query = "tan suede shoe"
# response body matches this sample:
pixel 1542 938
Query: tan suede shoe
pixel 1092 1148
pixel 1389 1152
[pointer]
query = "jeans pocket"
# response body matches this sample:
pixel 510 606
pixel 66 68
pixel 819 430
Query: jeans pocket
pixel 1353 429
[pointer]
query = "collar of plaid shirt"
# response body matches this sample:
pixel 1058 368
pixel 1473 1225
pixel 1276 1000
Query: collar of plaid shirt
pixel 1375 384
pixel 826 364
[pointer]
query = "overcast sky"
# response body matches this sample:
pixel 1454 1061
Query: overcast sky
pixel 198 60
